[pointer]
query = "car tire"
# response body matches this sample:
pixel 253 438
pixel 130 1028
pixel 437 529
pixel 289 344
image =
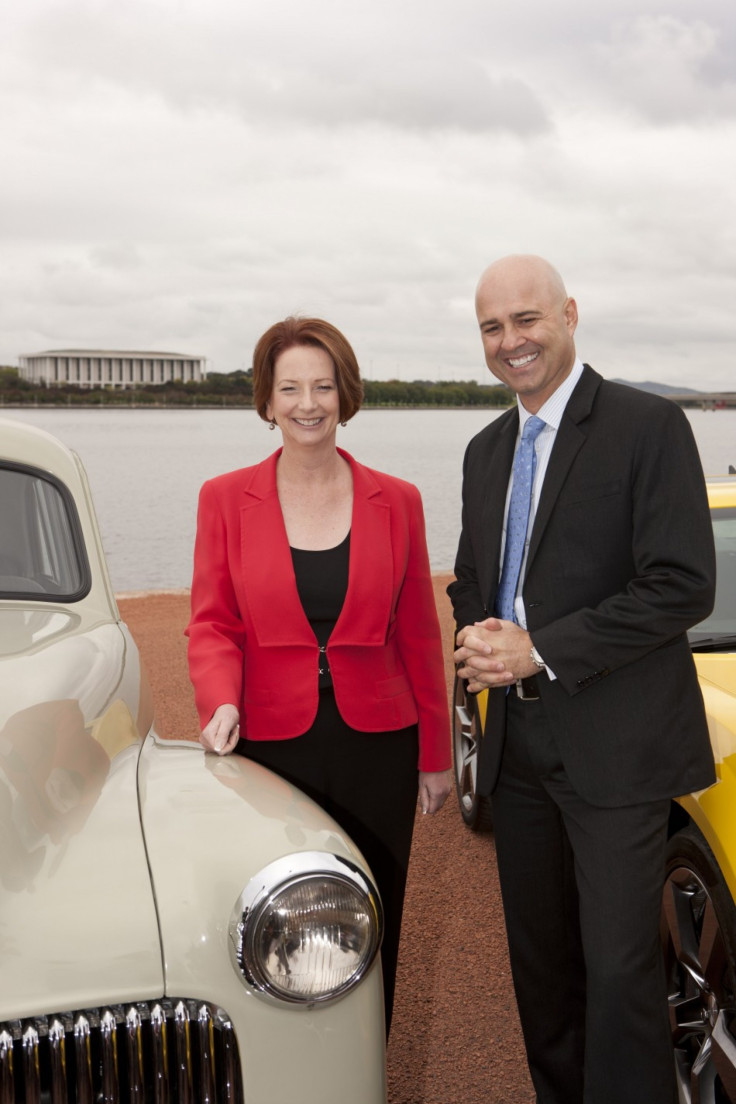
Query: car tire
pixel 699 940
pixel 467 739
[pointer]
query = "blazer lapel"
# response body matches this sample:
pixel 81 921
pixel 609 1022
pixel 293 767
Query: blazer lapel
pixel 569 440
pixel 366 612
pixel 497 463
pixel 276 612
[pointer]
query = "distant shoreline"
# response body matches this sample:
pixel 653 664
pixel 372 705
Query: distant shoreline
pixel 701 402
pixel 231 406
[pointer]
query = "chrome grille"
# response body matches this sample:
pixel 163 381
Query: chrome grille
pixel 158 1052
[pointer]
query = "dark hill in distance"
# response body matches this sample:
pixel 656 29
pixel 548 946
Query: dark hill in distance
pixel 658 388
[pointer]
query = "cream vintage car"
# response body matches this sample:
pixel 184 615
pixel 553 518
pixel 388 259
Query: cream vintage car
pixel 173 926
pixel 699 902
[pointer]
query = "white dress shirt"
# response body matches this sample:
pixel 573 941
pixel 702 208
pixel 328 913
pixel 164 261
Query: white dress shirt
pixel 551 414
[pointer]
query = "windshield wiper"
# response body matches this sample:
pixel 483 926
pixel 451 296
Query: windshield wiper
pixel 718 642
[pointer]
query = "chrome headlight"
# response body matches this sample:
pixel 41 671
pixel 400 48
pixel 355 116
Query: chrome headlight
pixel 306 928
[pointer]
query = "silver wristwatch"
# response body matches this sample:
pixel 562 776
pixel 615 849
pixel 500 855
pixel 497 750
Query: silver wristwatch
pixel 537 659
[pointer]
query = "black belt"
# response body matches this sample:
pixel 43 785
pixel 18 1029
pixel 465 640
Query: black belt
pixel 527 689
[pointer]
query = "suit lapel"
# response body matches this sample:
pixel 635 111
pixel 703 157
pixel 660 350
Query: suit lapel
pixel 569 440
pixel 276 611
pixel 366 612
pixel 497 462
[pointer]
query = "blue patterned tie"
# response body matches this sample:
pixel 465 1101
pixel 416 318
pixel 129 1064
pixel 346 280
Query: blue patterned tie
pixel 517 521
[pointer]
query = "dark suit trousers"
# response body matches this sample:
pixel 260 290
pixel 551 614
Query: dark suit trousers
pixel 581 889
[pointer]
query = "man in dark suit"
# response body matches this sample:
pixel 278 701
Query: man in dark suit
pixel 595 718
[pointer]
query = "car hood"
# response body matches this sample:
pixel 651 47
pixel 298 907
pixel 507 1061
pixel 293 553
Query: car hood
pixel 719 669
pixel 77 918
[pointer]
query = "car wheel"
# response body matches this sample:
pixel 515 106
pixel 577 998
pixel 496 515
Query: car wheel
pixel 467 738
pixel 699 939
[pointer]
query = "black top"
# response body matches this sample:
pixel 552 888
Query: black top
pixel 322 583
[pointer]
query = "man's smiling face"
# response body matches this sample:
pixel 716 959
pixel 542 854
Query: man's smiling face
pixel 527 324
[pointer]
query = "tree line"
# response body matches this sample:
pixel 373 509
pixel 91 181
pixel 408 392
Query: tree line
pixel 236 389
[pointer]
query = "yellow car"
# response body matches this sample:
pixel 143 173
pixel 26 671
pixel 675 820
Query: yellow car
pixel 698 906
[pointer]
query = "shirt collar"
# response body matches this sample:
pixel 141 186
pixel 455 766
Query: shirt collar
pixel 551 412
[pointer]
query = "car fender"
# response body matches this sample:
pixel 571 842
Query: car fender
pixel 211 824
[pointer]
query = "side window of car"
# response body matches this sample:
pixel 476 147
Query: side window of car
pixel 41 549
pixel 723 618
pixel 724 531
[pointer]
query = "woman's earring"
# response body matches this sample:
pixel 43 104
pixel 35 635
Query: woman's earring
pixel 271 425
pixel 343 424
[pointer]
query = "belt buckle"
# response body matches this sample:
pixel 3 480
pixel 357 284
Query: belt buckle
pixel 526 689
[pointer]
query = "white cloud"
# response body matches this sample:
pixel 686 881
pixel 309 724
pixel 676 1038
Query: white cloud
pixel 178 174
pixel 670 69
pixel 323 64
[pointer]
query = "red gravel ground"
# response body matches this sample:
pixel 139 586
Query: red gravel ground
pixel 455 1037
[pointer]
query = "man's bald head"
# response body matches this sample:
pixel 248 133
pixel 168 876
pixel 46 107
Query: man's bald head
pixel 521 269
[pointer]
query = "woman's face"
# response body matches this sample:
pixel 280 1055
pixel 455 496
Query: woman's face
pixel 305 403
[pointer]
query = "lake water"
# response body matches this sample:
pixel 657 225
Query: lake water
pixel 146 467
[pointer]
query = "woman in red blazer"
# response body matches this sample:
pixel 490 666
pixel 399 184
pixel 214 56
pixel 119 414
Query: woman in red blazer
pixel 314 643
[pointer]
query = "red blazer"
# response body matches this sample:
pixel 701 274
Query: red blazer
pixel 251 643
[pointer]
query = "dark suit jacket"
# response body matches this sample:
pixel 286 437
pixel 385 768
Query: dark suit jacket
pixel 620 565
pixel 251 644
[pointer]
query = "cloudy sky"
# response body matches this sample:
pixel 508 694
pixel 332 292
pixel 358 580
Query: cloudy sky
pixel 178 174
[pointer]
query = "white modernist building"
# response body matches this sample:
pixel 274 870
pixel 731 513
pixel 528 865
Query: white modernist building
pixel 105 368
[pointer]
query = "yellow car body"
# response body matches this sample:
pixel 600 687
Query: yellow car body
pixel 714 810
pixel 699 899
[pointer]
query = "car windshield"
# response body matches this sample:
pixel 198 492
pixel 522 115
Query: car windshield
pixel 41 549
pixel 719 630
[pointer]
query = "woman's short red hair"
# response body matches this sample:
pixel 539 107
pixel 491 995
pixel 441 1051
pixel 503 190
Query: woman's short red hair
pixel 307 331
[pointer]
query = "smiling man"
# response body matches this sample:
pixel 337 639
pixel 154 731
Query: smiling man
pixel 585 555
pixel 527 324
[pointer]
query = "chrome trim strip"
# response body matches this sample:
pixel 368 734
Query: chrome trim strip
pixel 109 1041
pixel 57 1055
pixel 183 1054
pixel 134 1048
pixel 230 1063
pixel 31 1071
pixel 207 1055
pixel 160 1055
pixel 7 1093
pixel 83 1056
